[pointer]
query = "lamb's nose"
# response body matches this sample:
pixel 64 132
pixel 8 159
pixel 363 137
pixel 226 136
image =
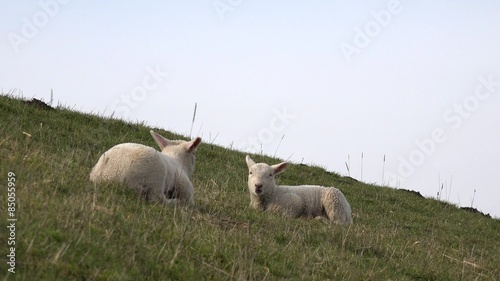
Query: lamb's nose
pixel 258 188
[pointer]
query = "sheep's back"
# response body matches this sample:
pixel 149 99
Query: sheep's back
pixel 311 194
pixel 127 161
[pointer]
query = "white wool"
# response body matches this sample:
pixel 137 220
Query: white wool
pixel 158 176
pixel 294 201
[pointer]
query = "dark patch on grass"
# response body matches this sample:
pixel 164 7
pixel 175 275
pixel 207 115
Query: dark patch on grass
pixel 413 192
pixel 38 103
pixel 476 211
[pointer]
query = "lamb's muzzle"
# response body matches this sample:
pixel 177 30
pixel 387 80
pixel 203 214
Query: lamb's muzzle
pixel 258 188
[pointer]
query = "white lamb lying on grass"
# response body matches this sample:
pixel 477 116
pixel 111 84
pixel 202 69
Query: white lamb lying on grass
pixel 162 177
pixel 294 201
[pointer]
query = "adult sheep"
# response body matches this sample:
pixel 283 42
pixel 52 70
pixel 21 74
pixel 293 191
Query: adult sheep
pixel 158 176
pixel 294 201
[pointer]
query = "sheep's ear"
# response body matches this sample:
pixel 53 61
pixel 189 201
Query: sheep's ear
pixel 249 160
pixel 193 144
pixel 160 140
pixel 278 168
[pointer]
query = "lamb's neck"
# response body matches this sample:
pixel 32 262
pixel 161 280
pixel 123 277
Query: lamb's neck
pixel 184 167
pixel 261 202
pixel 187 170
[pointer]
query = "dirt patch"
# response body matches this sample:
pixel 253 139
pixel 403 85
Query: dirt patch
pixel 38 103
pixel 474 210
pixel 413 192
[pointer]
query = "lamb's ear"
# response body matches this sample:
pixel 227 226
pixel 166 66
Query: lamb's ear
pixel 249 160
pixel 278 168
pixel 193 144
pixel 160 140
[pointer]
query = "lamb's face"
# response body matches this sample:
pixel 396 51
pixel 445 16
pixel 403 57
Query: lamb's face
pixel 260 179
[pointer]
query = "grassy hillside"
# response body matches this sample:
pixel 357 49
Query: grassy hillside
pixel 67 229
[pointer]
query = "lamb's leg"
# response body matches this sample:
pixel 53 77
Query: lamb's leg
pixel 160 197
pixel 174 201
pixel 289 205
pixel 336 207
pixel 148 188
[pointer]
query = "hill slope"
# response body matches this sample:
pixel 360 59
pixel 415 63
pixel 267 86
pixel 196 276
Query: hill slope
pixel 67 229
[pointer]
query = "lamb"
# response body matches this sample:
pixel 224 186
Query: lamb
pixel 159 177
pixel 294 201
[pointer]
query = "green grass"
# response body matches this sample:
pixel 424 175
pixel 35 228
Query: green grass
pixel 67 229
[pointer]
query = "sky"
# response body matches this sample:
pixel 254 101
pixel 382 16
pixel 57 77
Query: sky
pixel 398 93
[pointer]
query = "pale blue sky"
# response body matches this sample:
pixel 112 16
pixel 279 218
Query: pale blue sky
pixel 261 70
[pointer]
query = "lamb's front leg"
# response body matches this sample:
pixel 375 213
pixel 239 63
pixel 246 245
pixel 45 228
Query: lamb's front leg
pixel 289 205
pixel 156 195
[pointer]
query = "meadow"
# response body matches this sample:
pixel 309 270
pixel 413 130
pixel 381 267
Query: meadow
pixel 68 229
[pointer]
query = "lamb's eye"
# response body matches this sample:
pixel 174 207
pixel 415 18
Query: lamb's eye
pixel 270 175
pixel 250 173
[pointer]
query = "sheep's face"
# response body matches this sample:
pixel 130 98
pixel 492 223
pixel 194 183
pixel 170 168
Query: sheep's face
pixel 260 179
pixel 261 176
